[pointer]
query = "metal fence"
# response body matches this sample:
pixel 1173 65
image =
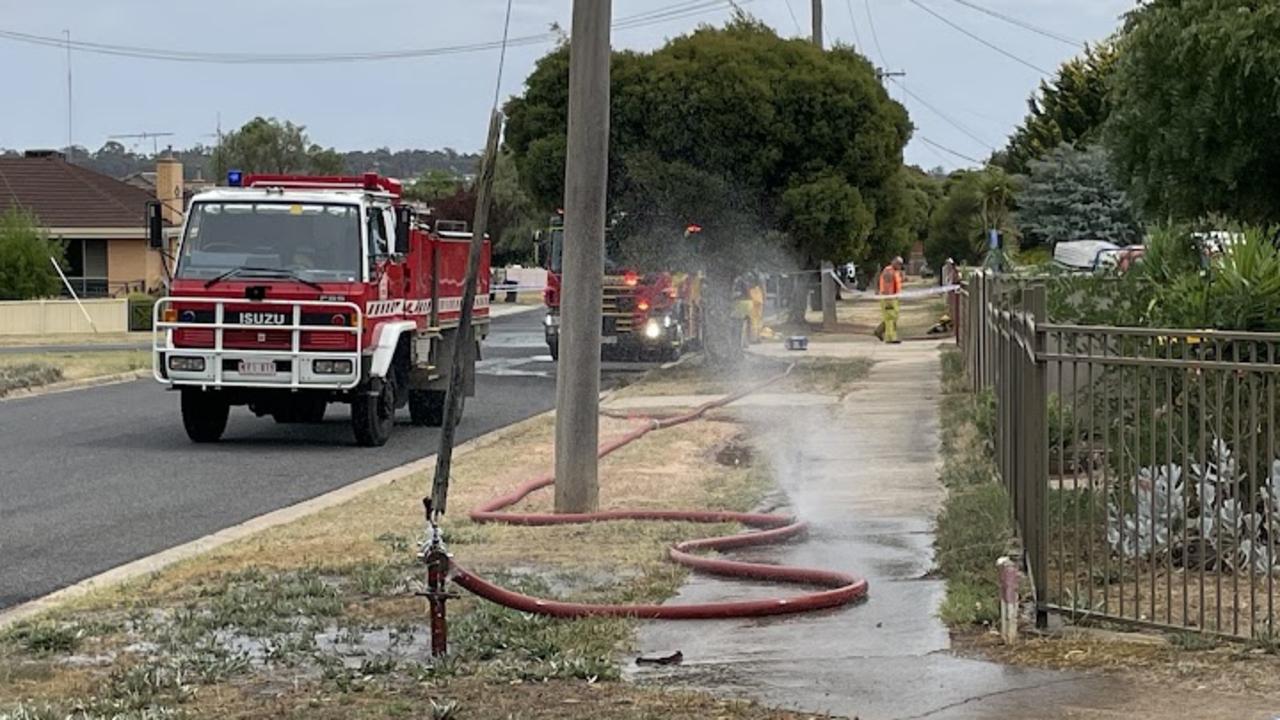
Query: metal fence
pixel 1142 463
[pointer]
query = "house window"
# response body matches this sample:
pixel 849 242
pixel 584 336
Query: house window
pixel 85 265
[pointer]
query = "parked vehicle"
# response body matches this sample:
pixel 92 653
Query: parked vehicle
pixel 1096 255
pixel 645 316
pixel 294 292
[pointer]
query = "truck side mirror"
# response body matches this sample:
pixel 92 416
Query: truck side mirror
pixel 155 225
pixel 404 223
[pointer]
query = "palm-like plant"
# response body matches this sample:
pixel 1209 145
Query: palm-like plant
pixel 1240 290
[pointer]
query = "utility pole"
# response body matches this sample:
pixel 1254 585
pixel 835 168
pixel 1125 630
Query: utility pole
pixel 826 277
pixel 817 22
pixel 586 170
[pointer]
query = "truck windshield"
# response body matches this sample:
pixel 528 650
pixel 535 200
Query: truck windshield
pixel 555 252
pixel 316 241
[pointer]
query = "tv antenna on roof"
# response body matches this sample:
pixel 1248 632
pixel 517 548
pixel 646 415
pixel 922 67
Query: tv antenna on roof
pixel 142 137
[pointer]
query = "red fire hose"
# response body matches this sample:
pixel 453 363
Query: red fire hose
pixel 770 528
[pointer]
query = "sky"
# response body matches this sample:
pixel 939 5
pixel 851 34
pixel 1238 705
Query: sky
pixel 978 95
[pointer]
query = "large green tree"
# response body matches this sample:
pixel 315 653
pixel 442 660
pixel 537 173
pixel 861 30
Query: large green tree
pixel 758 139
pixel 25 251
pixel 267 145
pixel 1071 195
pixel 1069 108
pixel 1195 106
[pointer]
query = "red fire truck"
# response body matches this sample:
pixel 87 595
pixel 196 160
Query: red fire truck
pixel 290 293
pixel 645 316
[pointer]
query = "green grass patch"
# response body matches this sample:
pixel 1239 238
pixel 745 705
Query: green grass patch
pixel 1193 641
pixel 969 602
pixel 974 528
pixel 46 637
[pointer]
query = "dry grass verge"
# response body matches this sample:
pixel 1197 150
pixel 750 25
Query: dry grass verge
pixel 1186 662
pixel 91 338
pixel 76 365
pixel 829 376
pixel 317 618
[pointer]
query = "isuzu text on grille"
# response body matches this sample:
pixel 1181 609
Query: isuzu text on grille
pixel 260 318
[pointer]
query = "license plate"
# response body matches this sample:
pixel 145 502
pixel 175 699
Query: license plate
pixel 257 367
pixel 609 340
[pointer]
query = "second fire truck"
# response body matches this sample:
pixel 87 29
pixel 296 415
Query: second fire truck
pixel 645 315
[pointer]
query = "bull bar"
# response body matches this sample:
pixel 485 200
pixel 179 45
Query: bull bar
pixel 300 375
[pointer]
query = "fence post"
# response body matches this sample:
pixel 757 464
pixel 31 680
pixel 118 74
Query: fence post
pixel 1037 480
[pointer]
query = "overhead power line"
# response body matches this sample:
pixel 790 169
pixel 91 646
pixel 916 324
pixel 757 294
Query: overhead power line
pixel 946 149
pixel 794 20
pixel 1052 35
pixel 979 39
pixel 945 117
pixel 857 38
pixel 875 36
pixel 652 17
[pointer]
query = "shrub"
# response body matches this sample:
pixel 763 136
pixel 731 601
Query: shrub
pixel 25 251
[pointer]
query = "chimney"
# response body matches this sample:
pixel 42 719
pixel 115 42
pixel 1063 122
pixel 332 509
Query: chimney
pixel 169 187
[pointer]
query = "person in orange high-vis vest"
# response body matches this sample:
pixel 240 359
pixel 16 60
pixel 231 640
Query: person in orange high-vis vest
pixel 890 288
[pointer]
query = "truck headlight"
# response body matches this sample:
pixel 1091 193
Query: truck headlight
pixel 186 364
pixel 652 330
pixel 332 367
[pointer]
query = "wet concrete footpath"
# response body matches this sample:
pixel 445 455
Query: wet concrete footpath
pixel 863 471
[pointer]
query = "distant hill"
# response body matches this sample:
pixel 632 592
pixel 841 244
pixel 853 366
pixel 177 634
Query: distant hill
pixel 115 160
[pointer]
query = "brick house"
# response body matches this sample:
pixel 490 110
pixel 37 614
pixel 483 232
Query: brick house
pixel 100 220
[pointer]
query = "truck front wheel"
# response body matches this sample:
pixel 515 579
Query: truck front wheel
pixel 373 414
pixel 204 415
pixel 426 407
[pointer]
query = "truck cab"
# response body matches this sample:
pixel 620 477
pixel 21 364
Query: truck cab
pixel 290 293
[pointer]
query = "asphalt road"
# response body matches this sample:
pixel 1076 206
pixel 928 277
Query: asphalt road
pixel 95 478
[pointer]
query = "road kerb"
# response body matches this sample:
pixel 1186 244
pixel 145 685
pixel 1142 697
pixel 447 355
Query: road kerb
pixel 178 553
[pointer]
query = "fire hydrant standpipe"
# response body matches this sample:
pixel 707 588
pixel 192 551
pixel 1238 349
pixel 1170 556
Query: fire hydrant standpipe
pixel 842 588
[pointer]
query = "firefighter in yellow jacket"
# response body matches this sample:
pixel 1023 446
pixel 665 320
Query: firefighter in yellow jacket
pixel 890 288
pixel 756 293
